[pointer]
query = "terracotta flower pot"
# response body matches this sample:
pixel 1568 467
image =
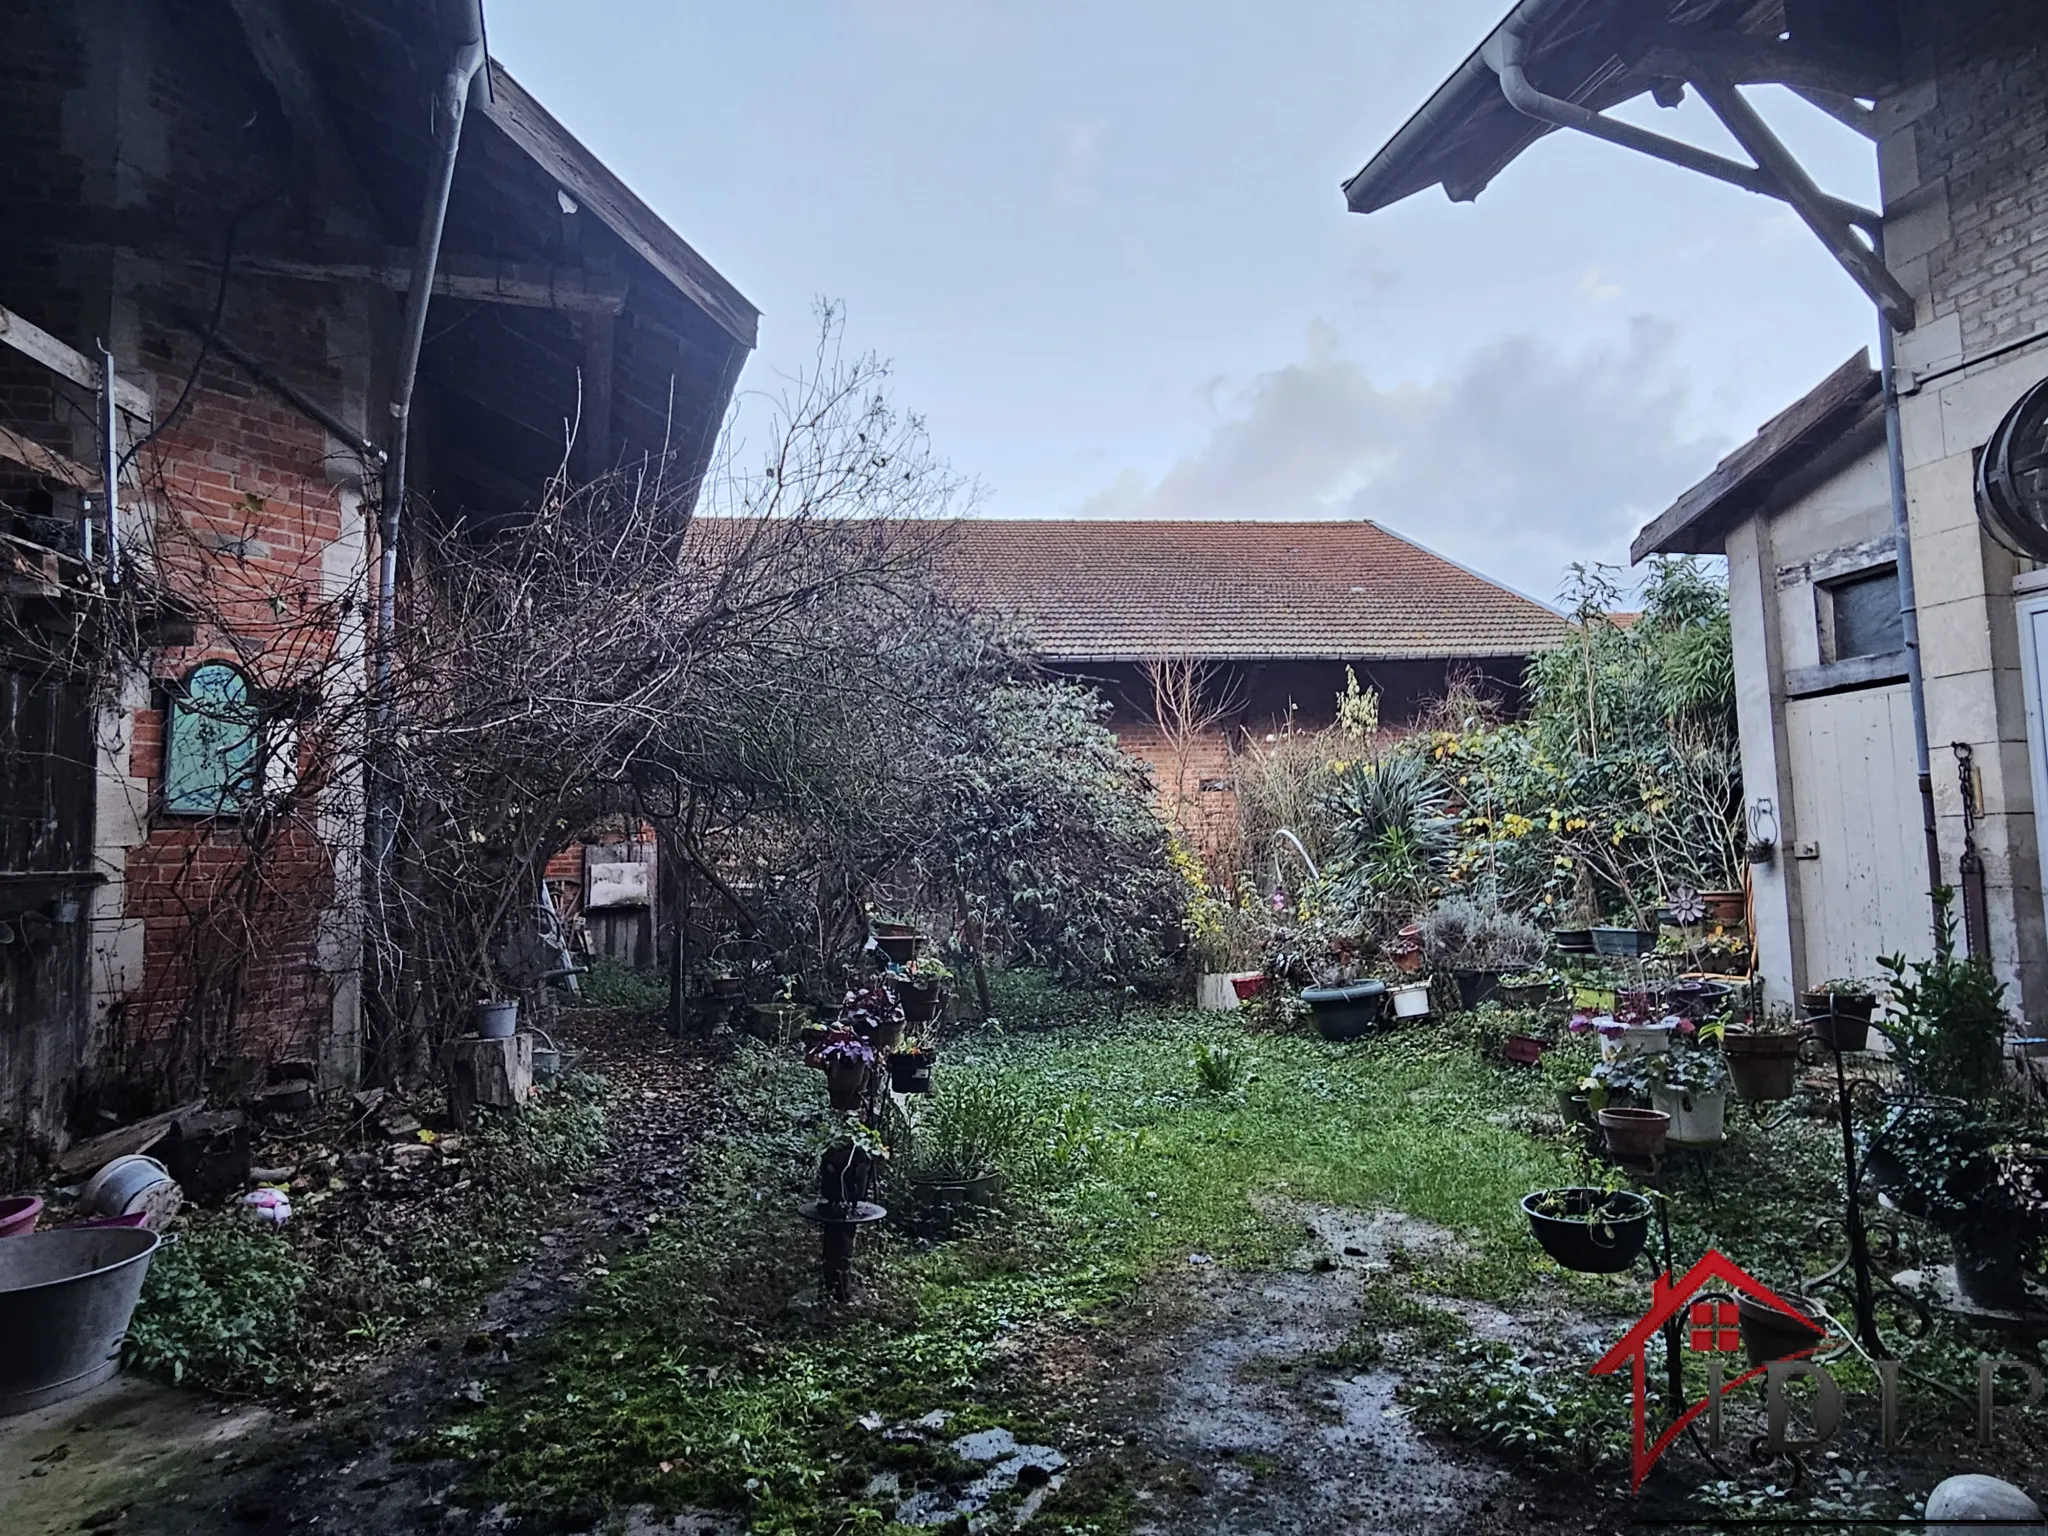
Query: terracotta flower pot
pixel 1763 1063
pixel 1725 906
pixel 1635 1135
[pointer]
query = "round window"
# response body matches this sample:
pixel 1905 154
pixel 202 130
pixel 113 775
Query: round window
pixel 2012 477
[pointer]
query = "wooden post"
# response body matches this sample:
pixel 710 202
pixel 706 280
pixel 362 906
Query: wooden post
pixel 494 1072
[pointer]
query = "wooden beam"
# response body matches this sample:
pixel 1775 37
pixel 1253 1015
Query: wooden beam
pixel 1846 110
pixel 555 150
pixel 1689 53
pixel 316 142
pixel 27 451
pixel 33 342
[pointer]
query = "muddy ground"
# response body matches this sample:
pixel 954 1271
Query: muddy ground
pixel 1215 1401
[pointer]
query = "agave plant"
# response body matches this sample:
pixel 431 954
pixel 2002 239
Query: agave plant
pixel 1393 833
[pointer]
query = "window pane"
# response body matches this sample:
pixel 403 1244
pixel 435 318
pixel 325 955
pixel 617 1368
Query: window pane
pixel 211 741
pixel 1867 619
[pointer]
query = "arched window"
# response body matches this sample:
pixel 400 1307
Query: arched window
pixel 210 742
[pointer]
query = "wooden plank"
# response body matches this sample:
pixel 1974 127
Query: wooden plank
pixel 479 279
pixel 26 451
pixel 32 341
pixel 1803 426
pixel 85 1156
pixel 555 150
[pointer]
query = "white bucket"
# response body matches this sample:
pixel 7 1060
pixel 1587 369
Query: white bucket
pixel 1411 1001
pixel 1697 1119
pixel 1633 1039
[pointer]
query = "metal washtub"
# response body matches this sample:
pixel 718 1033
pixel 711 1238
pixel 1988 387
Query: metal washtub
pixel 65 1300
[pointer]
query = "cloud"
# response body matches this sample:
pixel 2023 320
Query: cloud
pixel 1524 459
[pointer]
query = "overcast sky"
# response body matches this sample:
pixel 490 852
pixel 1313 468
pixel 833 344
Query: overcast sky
pixel 1105 248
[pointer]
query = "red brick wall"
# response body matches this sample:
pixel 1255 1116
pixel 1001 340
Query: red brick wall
pixel 173 122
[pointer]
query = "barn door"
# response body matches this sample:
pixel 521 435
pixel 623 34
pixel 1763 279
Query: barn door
pixel 1855 830
pixel 46 881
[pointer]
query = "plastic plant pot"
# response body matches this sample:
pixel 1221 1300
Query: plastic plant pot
pixel 1841 1032
pixel 1345 1013
pixel 498 1021
pixel 1411 1001
pixel 18 1214
pixel 1573 941
pixel 1725 907
pixel 1249 985
pixel 845 1082
pixel 1476 987
pixel 1524 1050
pixel 1768 1334
pixel 911 1071
pixel 920 1000
pixel 1592 1231
pixel 1624 941
pixel 1697 1119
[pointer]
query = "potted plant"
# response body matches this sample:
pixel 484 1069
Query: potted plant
pixel 1409 999
pixel 1618 941
pixel 1404 950
pixel 958 1146
pixel 1228 933
pixel 1763 1058
pixel 1478 942
pixel 1725 907
pixel 1526 989
pixel 1947 1017
pixel 1721 953
pixel 1940 1159
pixel 1592 1231
pixel 725 978
pixel 782 1019
pixel 871 1012
pixel 921 988
pixel 1689 1083
pixel 1633 1135
pixel 497 1018
pixel 1770 1334
pixel 1346 1011
pixel 1566 1068
pixel 850 1154
pixel 910 1067
pixel 1839 1013
pixel 899 942
pixel 847 1062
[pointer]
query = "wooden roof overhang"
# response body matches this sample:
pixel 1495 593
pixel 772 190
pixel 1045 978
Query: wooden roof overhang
pixel 1553 64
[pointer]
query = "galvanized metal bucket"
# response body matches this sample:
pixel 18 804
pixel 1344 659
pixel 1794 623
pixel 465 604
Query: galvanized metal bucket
pixel 65 1300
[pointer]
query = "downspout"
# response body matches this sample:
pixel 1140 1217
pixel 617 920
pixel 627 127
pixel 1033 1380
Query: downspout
pixel 464 20
pixel 1909 608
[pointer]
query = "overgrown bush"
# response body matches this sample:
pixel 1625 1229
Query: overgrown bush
pixel 220 1304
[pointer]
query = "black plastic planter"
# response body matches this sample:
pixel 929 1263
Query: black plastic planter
pixel 911 1071
pixel 1592 1231
pixel 1768 1334
pixel 1476 987
pixel 1345 1013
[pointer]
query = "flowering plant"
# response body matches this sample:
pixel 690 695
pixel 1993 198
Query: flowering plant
pixel 870 1009
pixel 844 1049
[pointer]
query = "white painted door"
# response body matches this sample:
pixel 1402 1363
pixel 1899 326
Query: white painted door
pixel 2032 610
pixel 1856 808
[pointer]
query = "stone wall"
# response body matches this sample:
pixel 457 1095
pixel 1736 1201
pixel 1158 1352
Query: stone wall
pixel 1964 163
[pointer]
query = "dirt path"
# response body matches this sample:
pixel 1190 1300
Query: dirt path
pixel 1242 1405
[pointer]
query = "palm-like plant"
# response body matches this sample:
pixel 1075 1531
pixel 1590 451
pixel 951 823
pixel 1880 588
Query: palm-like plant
pixel 1392 832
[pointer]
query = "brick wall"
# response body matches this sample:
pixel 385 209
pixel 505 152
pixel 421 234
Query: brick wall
pixel 1982 150
pixel 212 942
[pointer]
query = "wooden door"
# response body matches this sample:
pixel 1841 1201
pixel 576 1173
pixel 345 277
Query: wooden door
pixel 1856 812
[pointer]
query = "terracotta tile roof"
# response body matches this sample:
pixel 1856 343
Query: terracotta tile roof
pixel 1093 590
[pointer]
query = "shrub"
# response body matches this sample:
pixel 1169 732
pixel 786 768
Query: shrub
pixel 220 1305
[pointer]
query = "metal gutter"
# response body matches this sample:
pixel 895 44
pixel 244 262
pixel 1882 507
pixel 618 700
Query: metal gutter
pixel 464 22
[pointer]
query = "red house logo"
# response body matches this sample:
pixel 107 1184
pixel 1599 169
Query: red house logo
pixel 1713 1328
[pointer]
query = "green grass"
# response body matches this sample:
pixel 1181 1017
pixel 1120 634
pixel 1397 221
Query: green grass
pixel 697 1356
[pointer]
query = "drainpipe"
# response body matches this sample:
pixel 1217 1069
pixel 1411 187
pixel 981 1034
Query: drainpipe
pixel 464 23
pixel 1909 608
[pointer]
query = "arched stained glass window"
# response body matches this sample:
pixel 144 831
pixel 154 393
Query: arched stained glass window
pixel 210 744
